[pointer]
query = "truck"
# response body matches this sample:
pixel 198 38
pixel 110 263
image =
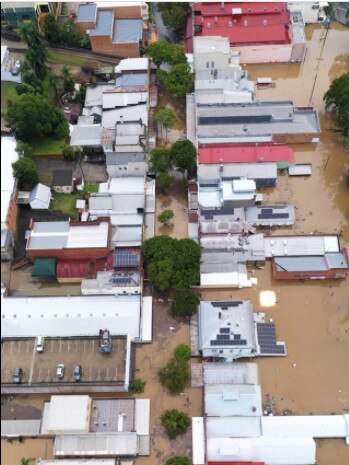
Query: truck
pixel 105 344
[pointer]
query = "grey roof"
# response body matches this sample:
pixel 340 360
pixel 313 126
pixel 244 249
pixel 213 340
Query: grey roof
pixel 127 30
pixel 113 158
pixel 132 113
pixel 51 227
pixel 87 13
pixel 93 444
pixel 233 427
pixel 238 318
pixel 40 192
pixel 62 177
pixel 116 203
pixel 94 94
pixel 337 260
pixel 10 428
pixel 311 263
pixel 87 136
pixel 230 373
pixel 237 170
pixel 104 24
pixel 124 236
pixel 135 79
pixel 229 400
pixel 269 215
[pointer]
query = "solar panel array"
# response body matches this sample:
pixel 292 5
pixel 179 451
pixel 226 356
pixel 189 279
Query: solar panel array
pixel 267 340
pixel 273 216
pixel 227 303
pixel 228 342
pixel 126 258
pixel 209 185
pixel 121 280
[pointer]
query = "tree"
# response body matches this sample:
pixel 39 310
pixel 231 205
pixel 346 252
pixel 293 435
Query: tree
pixel 175 375
pixel 25 461
pixel 30 34
pixel 160 273
pixel 157 248
pixel 32 116
pixel 68 81
pixel 166 117
pixel 175 422
pixel 184 304
pixel 161 76
pixel 24 169
pixel 31 83
pixel 163 181
pixel 68 152
pixel 24 149
pixel 165 216
pixel 337 102
pixel 69 33
pixel 174 14
pixel 179 460
pixel 159 52
pixel 160 160
pixel 182 352
pixel 177 54
pixel 179 80
pixel 183 154
pixel 36 55
pixel 52 30
pixel 137 385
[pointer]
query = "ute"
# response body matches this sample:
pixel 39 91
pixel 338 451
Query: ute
pixel 105 344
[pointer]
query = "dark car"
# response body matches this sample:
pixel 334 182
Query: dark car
pixel 77 373
pixel 17 376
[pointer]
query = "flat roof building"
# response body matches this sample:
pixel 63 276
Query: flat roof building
pixel 227 400
pixel 271 215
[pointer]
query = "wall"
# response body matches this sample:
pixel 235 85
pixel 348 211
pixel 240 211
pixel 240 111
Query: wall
pixel 103 45
pixel 82 27
pixel 12 212
pixel 269 53
pixel 289 275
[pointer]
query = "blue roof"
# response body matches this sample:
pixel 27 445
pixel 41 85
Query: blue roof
pixel 104 24
pixel 87 13
pixel 128 30
pixel 132 80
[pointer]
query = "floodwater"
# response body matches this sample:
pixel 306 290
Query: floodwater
pixel 13 452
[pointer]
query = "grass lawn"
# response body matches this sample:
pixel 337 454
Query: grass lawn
pixel 47 146
pixel 66 202
pixel 66 59
pixel 8 92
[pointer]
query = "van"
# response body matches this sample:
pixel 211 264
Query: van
pixel 40 344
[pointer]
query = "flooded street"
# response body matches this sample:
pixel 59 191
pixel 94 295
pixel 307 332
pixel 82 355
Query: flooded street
pixel 12 453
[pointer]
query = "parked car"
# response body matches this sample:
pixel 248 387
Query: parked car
pixel 60 371
pixel 17 376
pixel 77 373
pixel 40 344
pixel 16 68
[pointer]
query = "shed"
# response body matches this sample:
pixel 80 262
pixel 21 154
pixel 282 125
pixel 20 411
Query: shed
pixel 40 197
pixel 62 181
pixel 44 267
pixel 300 170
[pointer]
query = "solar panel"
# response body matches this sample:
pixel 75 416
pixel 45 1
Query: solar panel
pixel 208 217
pixel 224 211
pixel 273 216
pixel 126 258
pixel 223 336
pixel 121 280
pixel 224 330
pixel 230 178
pixel 267 340
pixel 228 303
pixel 209 185
pixel 228 342
pixel 237 336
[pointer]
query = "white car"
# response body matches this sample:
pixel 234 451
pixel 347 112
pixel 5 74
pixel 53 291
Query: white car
pixel 40 344
pixel 60 371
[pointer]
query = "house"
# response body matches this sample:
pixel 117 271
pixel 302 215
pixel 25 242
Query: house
pixel 87 136
pixel 271 215
pixel 217 194
pixel 230 330
pixel 62 181
pixel 280 154
pixel 312 12
pixel 251 122
pixel 340 12
pixel 114 29
pixel 69 239
pixel 40 197
pixel 260 32
pixel 9 209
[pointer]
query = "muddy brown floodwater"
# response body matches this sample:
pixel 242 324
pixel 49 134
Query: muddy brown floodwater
pixel 311 317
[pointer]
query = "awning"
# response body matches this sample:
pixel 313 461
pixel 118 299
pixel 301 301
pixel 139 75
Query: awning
pixel 44 267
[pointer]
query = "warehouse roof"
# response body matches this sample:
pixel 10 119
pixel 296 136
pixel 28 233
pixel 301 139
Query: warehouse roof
pixel 276 246
pixel 127 31
pixel 312 263
pixel 245 153
pixel 271 215
pixel 233 427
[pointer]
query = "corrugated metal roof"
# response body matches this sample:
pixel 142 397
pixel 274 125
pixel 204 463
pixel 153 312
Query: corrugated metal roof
pixel 142 411
pixel 87 136
pixel 132 64
pixel 87 13
pixel 228 400
pixel 300 170
pixel 11 428
pixel 233 427
pixel 131 113
pixel 42 194
pixel 302 245
pixel 230 373
pixel 128 31
pixel 77 462
pixel 104 24
pixel 124 158
pixel 130 80
pixel 73 268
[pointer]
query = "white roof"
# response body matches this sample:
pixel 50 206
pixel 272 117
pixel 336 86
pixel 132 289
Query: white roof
pixel 147 318
pixel 279 246
pixel 11 428
pixel 212 44
pixel 8 156
pixel 130 185
pixel 226 279
pixel 40 197
pixel 244 185
pixel 131 113
pixel 198 441
pixel 230 373
pixel 275 451
pixel 132 64
pixel 226 400
pixel 77 420
pixel 142 416
pixel 3 52
pixel 123 99
pixel 70 316
pixel 300 170
pixel 233 427
pixel 316 426
pixel 77 462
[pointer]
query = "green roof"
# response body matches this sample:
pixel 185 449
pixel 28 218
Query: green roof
pixel 44 267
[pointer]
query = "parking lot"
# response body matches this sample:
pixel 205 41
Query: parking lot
pixel 39 368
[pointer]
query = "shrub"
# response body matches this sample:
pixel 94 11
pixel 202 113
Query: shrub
pixel 175 422
pixel 165 216
pixel 184 304
pixel 182 352
pixel 137 385
pixel 179 460
pixel 175 375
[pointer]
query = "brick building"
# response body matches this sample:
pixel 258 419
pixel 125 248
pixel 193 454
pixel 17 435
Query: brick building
pixel 114 29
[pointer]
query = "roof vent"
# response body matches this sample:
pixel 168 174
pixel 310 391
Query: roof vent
pixel 245 23
pixel 230 24
pixel 265 22
pixel 216 19
pixel 209 25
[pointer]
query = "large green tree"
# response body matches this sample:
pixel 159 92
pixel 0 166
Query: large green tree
pixel 52 30
pixel 25 170
pixel 32 116
pixel 166 117
pixel 159 51
pixel 179 80
pixel 337 102
pixel 179 460
pixel 36 55
pixel 183 154
pixel 175 422
pixel 184 304
pixel 175 375
pixel 174 14
pixel 160 160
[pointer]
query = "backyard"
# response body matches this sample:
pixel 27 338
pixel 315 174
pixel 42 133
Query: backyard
pixel 66 202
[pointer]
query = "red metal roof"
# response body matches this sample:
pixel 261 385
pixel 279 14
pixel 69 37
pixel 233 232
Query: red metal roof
pixel 245 153
pixel 73 268
pixel 105 263
pixel 189 34
pixel 259 23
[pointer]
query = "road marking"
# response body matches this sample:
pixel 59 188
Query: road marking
pixel 107 376
pixel 60 345
pixel 90 374
pixel 84 345
pixel 32 366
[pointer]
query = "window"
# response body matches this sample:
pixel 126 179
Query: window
pixel 315 6
pixel 212 64
pixel 207 64
pixel 221 351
